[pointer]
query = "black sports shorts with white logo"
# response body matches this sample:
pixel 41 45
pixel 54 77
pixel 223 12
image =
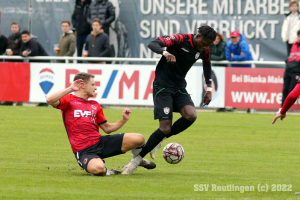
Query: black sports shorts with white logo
pixel 168 100
pixel 108 146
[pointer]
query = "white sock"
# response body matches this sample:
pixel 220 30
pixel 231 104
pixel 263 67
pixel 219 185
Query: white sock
pixel 137 151
pixel 107 172
pixel 138 159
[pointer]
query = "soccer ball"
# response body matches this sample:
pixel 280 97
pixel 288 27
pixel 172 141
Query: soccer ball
pixel 173 153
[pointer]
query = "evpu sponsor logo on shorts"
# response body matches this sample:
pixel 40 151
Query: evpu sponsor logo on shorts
pixel 46 80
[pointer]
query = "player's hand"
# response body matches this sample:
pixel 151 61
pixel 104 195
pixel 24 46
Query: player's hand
pixel 231 55
pixel 170 58
pixel 75 86
pixel 278 115
pixel 126 113
pixel 242 53
pixel 207 98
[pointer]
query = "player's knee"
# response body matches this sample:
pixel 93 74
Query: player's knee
pixel 99 170
pixel 191 117
pixel 140 140
pixel 165 129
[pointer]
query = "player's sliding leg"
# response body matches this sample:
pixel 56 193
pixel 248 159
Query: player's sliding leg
pixel 189 116
pixel 97 168
pixel 135 143
pixel 153 140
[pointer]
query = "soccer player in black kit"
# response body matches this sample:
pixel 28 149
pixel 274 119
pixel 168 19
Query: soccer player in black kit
pixel 169 93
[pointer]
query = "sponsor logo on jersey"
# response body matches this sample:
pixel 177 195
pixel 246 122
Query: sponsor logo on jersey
pixel 197 55
pixel 185 50
pixel 80 113
pixel 166 110
pixel 85 160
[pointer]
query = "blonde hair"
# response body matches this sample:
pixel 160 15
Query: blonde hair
pixel 84 76
pixel 293 2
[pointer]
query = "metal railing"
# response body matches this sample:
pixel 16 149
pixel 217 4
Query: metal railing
pixel 143 60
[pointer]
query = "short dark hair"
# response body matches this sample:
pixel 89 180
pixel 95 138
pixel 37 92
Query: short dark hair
pixel 207 32
pixel 298 33
pixel 84 76
pixel 66 21
pixel 25 32
pixel 96 20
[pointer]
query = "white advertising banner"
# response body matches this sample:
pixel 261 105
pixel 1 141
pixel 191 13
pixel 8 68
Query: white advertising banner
pixel 116 84
pixel 218 86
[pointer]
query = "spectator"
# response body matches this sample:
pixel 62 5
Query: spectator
pixel 31 47
pixel 290 26
pixel 292 70
pixel 237 49
pixel 217 50
pixel 97 43
pixel 3 44
pixel 14 41
pixel 67 41
pixel 79 21
pixel 105 11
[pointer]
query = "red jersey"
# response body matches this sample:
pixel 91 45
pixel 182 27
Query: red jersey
pixel 81 119
pixel 291 98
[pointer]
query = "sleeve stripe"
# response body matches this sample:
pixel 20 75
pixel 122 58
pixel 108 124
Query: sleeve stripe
pixel 102 122
pixel 57 105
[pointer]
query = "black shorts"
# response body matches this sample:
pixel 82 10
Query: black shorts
pixel 167 100
pixel 108 146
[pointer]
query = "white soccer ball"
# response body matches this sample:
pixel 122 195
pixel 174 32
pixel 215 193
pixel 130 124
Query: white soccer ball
pixel 173 153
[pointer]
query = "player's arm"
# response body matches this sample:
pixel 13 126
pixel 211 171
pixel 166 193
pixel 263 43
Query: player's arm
pixel 54 98
pixel 158 45
pixel 207 75
pixel 289 101
pixel 111 127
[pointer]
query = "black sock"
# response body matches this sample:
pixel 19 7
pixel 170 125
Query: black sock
pixel 153 140
pixel 180 125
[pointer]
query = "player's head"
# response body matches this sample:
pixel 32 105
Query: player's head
pixel 65 26
pixel 25 36
pixel 294 5
pixel 235 37
pixel 96 24
pixel 89 87
pixel 15 27
pixel 205 37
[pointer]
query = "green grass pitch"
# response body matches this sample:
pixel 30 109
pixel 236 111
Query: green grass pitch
pixel 36 161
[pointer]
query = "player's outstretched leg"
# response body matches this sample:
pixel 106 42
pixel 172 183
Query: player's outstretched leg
pixel 135 143
pixel 97 168
pixel 189 116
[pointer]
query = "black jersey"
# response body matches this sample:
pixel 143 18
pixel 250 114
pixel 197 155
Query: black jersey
pixel 181 46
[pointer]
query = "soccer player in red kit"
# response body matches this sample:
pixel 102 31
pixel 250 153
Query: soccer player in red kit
pixel 289 101
pixel 82 119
